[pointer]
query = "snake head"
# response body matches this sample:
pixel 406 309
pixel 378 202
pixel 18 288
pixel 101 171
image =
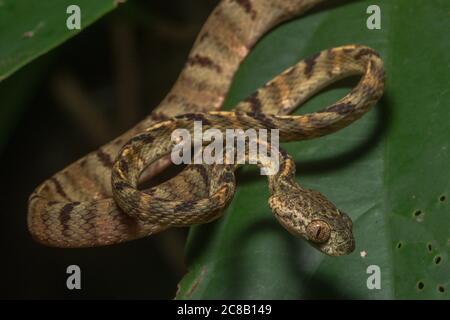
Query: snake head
pixel 309 215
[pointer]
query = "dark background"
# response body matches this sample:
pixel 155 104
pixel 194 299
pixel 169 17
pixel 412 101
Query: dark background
pixel 85 93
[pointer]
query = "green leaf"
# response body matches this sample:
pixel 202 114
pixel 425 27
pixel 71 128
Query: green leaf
pixel 389 170
pixel 30 28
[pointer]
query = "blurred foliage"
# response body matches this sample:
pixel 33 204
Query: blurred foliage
pixel 31 28
pixel 40 27
pixel 15 92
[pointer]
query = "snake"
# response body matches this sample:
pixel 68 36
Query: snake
pixel 96 200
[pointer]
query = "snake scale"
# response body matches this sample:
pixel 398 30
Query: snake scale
pixel 95 200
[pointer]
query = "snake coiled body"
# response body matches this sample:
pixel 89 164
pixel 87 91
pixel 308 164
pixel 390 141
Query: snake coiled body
pixel 80 207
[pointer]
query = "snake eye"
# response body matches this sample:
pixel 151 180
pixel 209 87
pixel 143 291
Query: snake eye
pixel 318 231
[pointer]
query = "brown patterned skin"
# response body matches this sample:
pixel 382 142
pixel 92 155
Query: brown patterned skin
pixel 305 213
pixel 76 208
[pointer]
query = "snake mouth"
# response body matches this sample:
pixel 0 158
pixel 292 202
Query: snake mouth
pixel 337 252
pixel 344 248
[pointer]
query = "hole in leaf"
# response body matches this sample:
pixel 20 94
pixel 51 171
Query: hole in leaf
pixel 420 285
pixel 437 259
pixel 399 245
pixel 430 247
pixel 441 289
pixel 442 198
pixel 418 215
